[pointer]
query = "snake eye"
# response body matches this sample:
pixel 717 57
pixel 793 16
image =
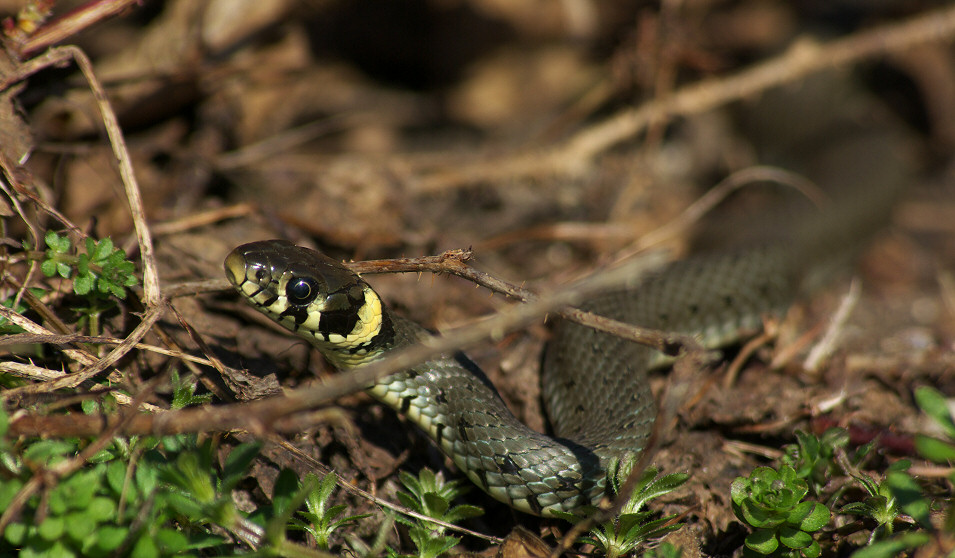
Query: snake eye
pixel 301 290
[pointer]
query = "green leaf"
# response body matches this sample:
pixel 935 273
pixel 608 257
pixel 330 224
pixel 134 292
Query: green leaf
pixel 51 239
pixel 56 242
pixel 102 509
pixel 762 541
pixel 429 545
pixel 78 489
pixel 116 476
pixel 79 525
pixel 933 403
pixel 893 547
pixel 408 501
pixel 812 551
pixel 145 547
pixel 739 490
pixel 102 250
pixel 102 285
pixel 16 533
pixel 83 265
pixel 8 491
pixel 286 486
pixel 237 464
pixel 58 550
pixel 462 512
pixel 799 513
pixel 146 477
pixel 83 284
pixel 910 497
pixel 52 528
pixel 171 541
pixel 900 465
pixel 435 505
pixel 117 290
pixel 64 270
pixel 794 538
pixel 184 505
pixel 48 267
pixel 934 449
pixel 759 516
pixel 816 519
pixel 110 537
pixel 857 508
pixel 764 476
pixel 648 488
pixel 46 451
pixel 324 489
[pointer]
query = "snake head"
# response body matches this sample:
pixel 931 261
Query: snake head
pixel 308 293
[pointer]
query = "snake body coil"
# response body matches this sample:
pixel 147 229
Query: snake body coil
pixel 595 384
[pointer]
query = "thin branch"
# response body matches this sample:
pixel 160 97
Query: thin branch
pixel 822 350
pixel 73 380
pixel 803 58
pixel 60 57
pixel 75 21
pixel 262 416
pixel 69 339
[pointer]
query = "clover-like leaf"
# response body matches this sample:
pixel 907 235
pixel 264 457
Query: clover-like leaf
pixel 794 538
pixel 759 516
pixel 816 519
pixel 763 541
pixel 102 250
pixel 57 243
pixel 83 284
pixel 812 551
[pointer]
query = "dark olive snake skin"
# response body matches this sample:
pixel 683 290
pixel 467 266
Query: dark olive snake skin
pixel 602 412
pixel 594 385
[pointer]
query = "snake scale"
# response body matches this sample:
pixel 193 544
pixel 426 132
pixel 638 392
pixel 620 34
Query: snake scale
pixel 595 385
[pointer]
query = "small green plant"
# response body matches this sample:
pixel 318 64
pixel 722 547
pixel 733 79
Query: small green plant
pixel 879 505
pixel 184 392
pixel 102 269
pixel 429 494
pixel 633 526
pixel 771 502
pixel 814 458
pixel 199 494
pixel 910 497
pixel 321 519
pixel 99 274
pixel 110 507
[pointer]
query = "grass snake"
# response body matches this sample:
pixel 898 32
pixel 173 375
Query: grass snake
pixel 595 386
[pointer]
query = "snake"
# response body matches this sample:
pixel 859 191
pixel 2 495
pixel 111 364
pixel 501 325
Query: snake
pixel 595 386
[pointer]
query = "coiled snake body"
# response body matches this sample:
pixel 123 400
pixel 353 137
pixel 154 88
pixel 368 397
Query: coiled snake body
pixel 595 384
